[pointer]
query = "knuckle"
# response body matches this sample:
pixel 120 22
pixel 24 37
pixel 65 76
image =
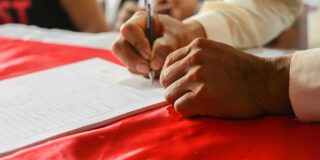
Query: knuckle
pixel 198 55
pixel 199 42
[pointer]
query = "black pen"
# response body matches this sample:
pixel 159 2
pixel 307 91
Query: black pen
pixel 149 11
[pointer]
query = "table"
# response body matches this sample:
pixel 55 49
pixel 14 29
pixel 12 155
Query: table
pixel 160 133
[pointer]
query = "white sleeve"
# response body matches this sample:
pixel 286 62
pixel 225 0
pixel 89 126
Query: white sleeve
pixel 304 86
pixel 247 23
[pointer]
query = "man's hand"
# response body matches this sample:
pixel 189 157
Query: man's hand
pixel 134 50
pixel 212 79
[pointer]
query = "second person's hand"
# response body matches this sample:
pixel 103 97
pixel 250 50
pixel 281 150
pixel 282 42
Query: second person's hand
pixel 134 50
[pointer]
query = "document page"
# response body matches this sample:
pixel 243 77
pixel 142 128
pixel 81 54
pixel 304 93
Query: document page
pixel 70 99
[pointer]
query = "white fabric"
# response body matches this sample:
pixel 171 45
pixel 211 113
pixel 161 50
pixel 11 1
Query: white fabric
pixel 313 29
pixel 313 3
pixel 247 23
pixel 93 40
pixel 305 85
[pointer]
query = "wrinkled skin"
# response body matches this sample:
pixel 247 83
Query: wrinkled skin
pixel 212 79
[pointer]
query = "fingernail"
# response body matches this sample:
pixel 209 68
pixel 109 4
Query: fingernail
pixel 157 63
pixel 142 68
pixel 145 54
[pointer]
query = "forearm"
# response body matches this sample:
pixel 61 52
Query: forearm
pixel 86 15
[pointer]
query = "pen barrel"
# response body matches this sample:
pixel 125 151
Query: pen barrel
pixel 149 31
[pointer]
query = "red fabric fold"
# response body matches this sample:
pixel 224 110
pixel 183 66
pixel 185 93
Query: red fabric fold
pixel 160 133
pixel 18 57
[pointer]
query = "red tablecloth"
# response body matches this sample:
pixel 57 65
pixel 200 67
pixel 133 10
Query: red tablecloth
pixel 159 133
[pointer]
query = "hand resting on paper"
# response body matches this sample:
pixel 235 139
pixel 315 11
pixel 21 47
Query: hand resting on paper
pixel 212 79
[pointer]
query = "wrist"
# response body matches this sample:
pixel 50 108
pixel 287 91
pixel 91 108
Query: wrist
pixel 277 85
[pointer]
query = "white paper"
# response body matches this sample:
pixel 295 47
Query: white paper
pixel 70 99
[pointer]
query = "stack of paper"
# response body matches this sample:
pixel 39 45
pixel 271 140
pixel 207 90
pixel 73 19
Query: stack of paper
pixel 70 99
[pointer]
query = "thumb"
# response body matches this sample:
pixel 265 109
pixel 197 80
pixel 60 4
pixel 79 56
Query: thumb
pixel 162 47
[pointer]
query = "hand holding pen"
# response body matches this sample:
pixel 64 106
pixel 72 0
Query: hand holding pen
pixel 134 50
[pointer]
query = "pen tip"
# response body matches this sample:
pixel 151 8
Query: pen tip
pixel 152 76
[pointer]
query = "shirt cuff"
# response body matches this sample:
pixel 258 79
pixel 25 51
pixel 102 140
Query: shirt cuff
pixel 304 85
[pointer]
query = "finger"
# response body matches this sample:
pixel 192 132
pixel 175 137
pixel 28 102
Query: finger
pixel 129 57
pixel 134 32
pixel 185 105
pixel 172 73
pixel 177 89
pixel 174 67
pixel 161 48
pixel 176 56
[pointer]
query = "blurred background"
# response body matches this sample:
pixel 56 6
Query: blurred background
pixel 60 18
